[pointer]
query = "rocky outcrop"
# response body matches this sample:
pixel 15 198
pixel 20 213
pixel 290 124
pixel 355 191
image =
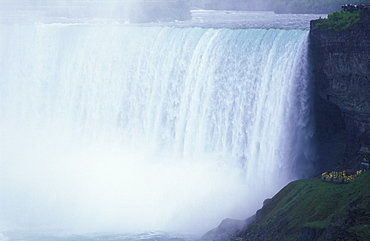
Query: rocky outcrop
pixel 341 62
pixel 227 229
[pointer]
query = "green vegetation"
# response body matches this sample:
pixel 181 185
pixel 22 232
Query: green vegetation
pixel 330 211
pixel 317 224
pixel 311 6
pixel 340 21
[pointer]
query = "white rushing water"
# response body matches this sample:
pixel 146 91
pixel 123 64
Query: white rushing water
pixel 120 128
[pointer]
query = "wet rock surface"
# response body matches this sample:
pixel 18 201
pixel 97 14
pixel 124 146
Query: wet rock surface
pixel 341 63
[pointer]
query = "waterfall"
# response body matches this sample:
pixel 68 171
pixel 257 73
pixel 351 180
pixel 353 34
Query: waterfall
pixel 117 127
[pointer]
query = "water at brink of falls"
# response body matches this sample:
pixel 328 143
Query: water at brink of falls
pixel 120 128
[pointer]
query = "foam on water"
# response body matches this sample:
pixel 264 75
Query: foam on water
pixel 120 128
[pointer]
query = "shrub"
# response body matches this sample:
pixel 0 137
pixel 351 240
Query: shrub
pixel 339 21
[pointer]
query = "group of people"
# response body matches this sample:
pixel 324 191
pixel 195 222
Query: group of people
pixel 340 177
pixel 356 7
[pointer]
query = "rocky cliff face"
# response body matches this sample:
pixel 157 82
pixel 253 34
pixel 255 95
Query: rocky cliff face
pixel 341 62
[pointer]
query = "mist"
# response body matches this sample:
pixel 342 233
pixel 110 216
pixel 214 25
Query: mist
pixel 243 5
pixel 121 10
pixel 57 180
pixel 119 128
pixel 129 11
pixel 40 10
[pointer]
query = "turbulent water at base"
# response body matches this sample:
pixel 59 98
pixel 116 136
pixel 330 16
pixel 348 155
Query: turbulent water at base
pixel 118 128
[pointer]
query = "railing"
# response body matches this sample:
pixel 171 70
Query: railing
pixel 355 7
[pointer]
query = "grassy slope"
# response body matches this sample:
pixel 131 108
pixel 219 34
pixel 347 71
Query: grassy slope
pixel 334 211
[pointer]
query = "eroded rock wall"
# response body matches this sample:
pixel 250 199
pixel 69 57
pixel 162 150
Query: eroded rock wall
pixel 341 62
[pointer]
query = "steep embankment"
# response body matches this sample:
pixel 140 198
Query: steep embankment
pixel 314 210
pixel 342 76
